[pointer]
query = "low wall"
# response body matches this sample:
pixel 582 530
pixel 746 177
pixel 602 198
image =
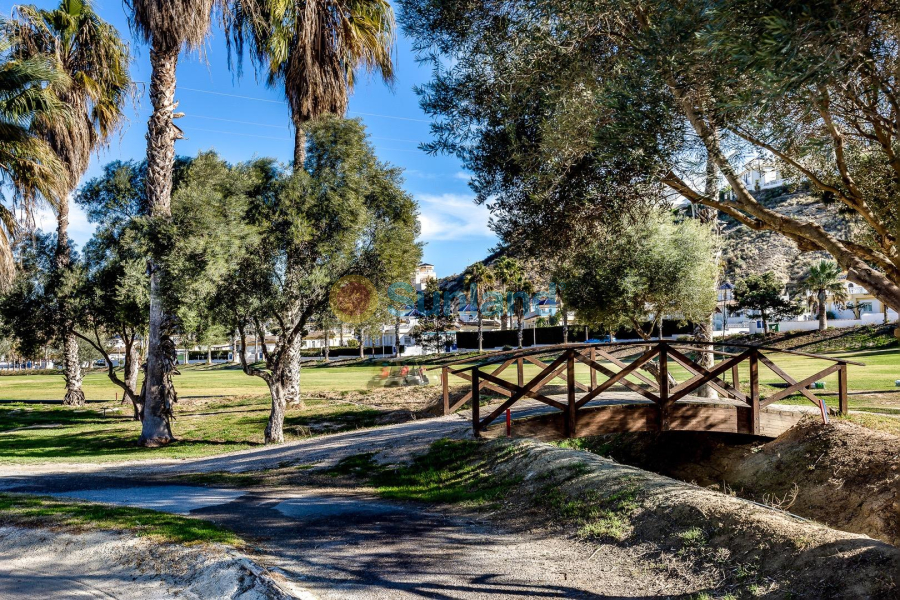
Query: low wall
pixel 812 325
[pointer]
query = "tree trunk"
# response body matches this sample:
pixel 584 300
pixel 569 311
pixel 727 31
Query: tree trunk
pixel 159 393
pixel 327 344
pixel 72 372
pixel 565 322
pixel 397 338
pixel 209 360
pixel 299 144
pixel 71 365
pixel 480 332
pixel 292 375
pixel 823 315
pixel 520 326
pixel 704 331
pixel 362 346
pixel 341 336
pixel 275 426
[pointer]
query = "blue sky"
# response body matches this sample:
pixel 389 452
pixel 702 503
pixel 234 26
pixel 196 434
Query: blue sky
pixel 242 118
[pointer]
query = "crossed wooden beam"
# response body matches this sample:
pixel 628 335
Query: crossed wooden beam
pixel 629 376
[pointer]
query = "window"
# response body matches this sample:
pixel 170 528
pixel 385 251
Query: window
pixel 865 307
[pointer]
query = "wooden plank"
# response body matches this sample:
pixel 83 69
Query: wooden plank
pixel 843 400
pixel 593 356
pixel 640 376
pixel 717 384
pixel 685 388
pixel 615 378
pixel 462 375
pixel 754 394
pixel 665 408
pixel 520 372
pixel 476 404
pixel 571 408
pixel 800 385
pixel 445 385
pixel 516 393
pixel 542 365
pixel 535 383
pixel 788 379
pixel 736 378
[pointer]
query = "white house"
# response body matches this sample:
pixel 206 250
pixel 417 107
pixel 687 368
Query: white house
pixel 424 273
pixel 761 174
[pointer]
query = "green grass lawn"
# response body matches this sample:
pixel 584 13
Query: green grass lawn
pixel 221 409
pixel 40 511
pixel 41 433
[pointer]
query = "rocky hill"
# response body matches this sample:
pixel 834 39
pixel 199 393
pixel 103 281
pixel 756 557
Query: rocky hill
pixel 746 251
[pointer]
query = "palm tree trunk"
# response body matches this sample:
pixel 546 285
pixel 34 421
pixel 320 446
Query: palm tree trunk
pixel 520 326
pixel 823 315
pixel 71 366
pixel 161 353
pixel 480 331
pixel 299 145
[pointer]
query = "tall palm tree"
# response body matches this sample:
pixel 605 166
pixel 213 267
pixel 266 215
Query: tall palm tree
pixel 91 53
pixel 507 272
pixel 478 278
pixel 313 49
pixel 824 282
pixel 167 26
pixel 524 290
pixel 28 166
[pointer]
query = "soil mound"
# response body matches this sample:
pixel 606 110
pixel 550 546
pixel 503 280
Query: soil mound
pixel 840 474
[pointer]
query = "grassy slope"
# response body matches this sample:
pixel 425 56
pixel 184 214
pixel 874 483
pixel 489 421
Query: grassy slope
pixel 39 511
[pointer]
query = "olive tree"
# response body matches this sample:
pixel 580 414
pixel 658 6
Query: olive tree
pixel 344 214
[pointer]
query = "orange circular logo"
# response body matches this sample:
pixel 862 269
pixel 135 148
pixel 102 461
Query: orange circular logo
pixel 353 299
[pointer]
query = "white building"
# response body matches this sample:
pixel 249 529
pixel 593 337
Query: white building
pixel 760 174
pixel 424 273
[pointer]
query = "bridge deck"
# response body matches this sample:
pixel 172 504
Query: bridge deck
pixel 619 411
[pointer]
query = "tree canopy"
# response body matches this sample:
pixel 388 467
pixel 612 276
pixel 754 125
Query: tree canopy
pixel 572 114
pixel 652 269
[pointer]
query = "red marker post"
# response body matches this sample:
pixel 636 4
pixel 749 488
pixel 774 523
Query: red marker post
pixel 508 423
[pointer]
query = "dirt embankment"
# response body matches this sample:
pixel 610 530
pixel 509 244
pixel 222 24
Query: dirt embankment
pixel 841 474
pixel 100 564
pixel 744 548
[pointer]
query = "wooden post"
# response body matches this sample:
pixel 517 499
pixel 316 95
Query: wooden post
pixel 754 393
pixel 571 409
pixel 843 401
pixel 736 378
pixel 520 370
pixel 664 408
pixel 445 383
pixel 593 372
pixel 476 402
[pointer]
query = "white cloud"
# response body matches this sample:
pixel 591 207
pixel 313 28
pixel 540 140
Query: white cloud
pixel 450 217
pixel 463 176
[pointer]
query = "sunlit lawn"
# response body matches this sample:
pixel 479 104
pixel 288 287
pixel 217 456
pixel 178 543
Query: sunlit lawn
pixel 195 381
pixel 37 433
pixel 222 409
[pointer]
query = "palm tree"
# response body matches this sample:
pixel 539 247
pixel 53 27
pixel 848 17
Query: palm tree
pixel 28 93
pixel 824 282
pixel 524 290
pixel 167 26
pixel 478 278
pixel 507 272
pixel 312 49
pixel 91 53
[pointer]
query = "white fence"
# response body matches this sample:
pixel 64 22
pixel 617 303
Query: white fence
pixel 756 325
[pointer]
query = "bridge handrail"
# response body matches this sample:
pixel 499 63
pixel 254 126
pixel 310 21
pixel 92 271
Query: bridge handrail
pixel 508 354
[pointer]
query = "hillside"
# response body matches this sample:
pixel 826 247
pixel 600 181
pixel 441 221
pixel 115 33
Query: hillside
pixel 746 251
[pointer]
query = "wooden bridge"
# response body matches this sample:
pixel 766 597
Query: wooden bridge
pixel 629 400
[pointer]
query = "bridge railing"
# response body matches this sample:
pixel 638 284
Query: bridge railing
pixel 654 357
